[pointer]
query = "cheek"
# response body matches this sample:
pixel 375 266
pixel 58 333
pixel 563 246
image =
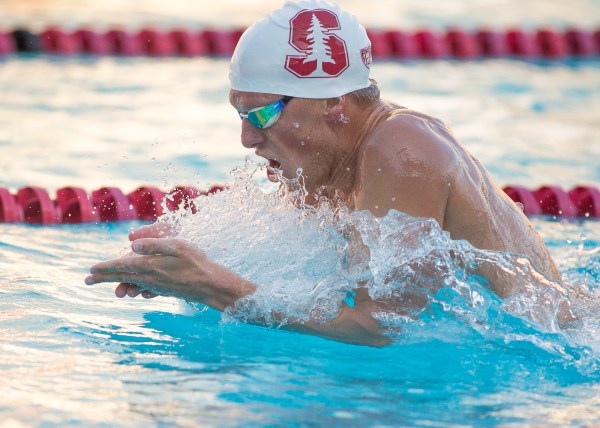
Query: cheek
pixel 298 140
pixel 296 137
pixel 302 125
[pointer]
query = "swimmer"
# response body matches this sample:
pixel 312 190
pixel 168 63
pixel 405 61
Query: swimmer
pixel 302 74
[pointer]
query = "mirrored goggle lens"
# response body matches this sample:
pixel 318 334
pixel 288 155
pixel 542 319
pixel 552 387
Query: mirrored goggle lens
pixel 263 120
pixel 266 116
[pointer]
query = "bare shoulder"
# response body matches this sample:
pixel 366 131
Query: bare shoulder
pixel 408 163
pixel 413 140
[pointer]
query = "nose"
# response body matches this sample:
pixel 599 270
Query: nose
pixel 251 136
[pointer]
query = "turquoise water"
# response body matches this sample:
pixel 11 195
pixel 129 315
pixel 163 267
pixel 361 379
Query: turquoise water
pixel 73 355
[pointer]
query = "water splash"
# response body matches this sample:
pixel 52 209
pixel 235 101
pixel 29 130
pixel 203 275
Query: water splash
pixel 343 119
pixel 306 259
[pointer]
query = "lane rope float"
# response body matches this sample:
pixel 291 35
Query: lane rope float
pixel 456 43
pixel 33 205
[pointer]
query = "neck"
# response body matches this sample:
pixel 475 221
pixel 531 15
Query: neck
pixel 351 138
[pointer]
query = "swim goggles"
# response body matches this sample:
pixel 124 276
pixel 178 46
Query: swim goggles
pixel 266 116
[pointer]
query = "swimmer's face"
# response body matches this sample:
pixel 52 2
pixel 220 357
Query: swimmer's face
pixel 293 142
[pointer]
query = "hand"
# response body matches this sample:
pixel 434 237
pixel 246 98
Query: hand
pixel 155 230
pixel 172 267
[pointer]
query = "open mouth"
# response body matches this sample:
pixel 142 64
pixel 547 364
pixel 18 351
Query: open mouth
pixel 273 169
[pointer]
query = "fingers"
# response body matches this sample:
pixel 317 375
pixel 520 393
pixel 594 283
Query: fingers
pixel 159 246
pixel 135 269
pixel 132 290
pixel 122 288
pixel 148 294
pixel 138 273
pixel 120 277
pixel 136 264
pixel 128 264
pixel 156 230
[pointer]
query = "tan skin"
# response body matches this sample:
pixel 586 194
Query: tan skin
pixel 377 157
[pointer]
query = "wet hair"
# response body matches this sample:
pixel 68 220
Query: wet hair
pixel 366 96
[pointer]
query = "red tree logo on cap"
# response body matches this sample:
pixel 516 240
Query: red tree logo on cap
pixel 323 53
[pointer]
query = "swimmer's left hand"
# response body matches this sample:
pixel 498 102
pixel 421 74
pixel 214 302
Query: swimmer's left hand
pixel 155 230
pixel 171 267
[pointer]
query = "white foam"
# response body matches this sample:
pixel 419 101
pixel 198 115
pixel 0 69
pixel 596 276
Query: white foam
pixel 304 262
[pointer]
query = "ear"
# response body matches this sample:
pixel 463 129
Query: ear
pixel 334 107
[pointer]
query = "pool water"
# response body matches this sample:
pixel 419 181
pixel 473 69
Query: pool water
pixel 76 355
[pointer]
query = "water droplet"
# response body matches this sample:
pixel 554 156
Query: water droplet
pixel 569 241
pixel 378 169
pixel 302 143
pixel 520 205
pixel 583 237
pixel 393 199
pixel 296 125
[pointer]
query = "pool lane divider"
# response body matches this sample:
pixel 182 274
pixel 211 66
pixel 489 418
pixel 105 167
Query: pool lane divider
pixel 454 43
pixel 33 205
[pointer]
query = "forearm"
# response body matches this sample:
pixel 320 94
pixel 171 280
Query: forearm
pixel 353 325
pixel 350 326
pixel 231 289
pixel 524 278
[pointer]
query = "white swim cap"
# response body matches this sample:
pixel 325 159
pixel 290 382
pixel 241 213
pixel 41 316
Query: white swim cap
pixel 307 49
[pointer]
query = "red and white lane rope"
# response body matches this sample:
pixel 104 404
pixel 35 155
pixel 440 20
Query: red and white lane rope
pixel 34 205
pixel 386 44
